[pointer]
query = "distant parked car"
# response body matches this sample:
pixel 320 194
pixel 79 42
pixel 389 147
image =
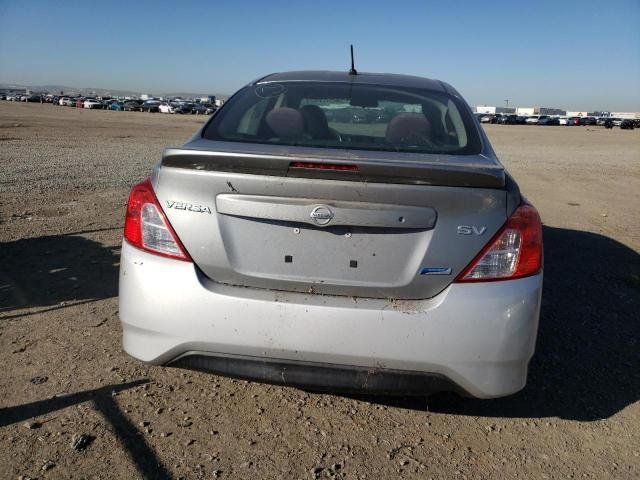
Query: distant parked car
pixel 617 122
pixel 92 104
pixel 184 108
pixel 562 120
pixel 199 109
pixel 509 119
pixel 116 105
pixel 34 98
pixel 601 121
pixel 589 121
pixel 150 106
pixel 532 120
pixel 627 124
pixel 131 106
pixel 636 123
pixel 166 107
pixel 548 120
pixel 67 102
pixel 574 121
pixel 212 108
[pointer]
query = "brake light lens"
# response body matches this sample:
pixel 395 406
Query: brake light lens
pixel 324 166
pixel 514 252
pixel 146 226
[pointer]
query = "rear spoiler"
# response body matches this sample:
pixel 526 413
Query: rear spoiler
pixel 445 170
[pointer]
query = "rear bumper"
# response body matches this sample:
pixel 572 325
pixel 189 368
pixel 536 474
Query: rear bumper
pixel 477 338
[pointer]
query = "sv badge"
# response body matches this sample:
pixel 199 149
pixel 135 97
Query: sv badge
pixel 471 230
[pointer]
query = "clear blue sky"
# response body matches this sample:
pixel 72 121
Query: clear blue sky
pixel 571 54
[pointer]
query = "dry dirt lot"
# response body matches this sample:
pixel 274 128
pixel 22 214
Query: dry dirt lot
pixel 64 178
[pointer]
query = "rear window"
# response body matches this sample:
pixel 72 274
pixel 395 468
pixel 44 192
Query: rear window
pixel 347 116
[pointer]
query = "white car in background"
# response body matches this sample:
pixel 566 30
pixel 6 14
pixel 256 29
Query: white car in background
pixel 563 120
pixel 166 107
pixel 92 103
pixel 533 120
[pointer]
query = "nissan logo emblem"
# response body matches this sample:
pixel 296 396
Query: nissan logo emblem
pixel 321 215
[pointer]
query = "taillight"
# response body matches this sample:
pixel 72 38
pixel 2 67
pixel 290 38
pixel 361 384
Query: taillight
pixel 146 227
pixel 514 252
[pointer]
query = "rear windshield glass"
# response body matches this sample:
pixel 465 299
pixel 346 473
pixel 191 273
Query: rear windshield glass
pixel 346 116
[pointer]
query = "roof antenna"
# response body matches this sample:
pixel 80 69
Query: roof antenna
pixel 353 70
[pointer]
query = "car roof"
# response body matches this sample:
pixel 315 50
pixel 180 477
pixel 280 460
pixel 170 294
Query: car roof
pixel 363 78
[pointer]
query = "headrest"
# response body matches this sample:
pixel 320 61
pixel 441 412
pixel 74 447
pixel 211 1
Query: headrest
pixel 315 121
pixel 409 128
pixel 286 122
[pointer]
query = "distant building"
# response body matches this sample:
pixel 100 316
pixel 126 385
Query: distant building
pixel 629 115
pixel 583 113
pixel 492 109
pixel 527 111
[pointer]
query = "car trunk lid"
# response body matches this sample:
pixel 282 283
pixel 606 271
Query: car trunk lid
pixel 386 229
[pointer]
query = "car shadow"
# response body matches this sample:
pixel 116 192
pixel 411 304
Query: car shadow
pixel 587 361
pixel 133 441
pixel 54 270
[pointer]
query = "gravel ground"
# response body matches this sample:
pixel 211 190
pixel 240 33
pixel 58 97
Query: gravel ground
pixel 73 405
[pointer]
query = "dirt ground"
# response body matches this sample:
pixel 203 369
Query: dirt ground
pixel 64 179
